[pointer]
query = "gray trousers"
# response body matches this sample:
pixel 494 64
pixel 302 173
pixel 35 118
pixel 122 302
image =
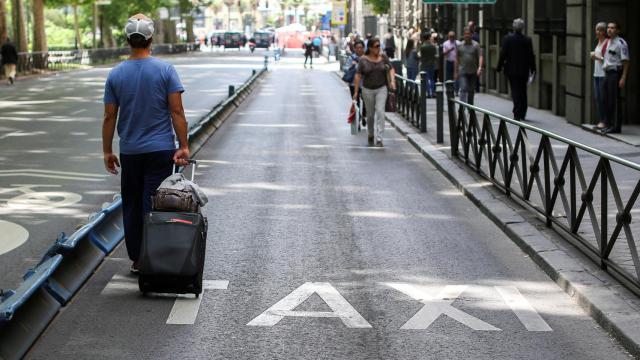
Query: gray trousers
pixel 375 101
pixel 468 84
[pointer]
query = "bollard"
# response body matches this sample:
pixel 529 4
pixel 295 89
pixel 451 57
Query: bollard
pixel 439 112
pixel 451 109
pixel 266 61
pixel 423 101
pixel 232 90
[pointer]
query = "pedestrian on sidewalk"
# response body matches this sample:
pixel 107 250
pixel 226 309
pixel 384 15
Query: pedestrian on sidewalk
pixel 598 72
pixel 308 52
pixel 354 59
pixel 468 67
pixel 9 60
pixel 616 68
pixel 428 57
pixel 390 44
pixel 143 97
pixel 519 63
pixel 450 52
pixel 377 76
pixel 412 62
pixel 475 36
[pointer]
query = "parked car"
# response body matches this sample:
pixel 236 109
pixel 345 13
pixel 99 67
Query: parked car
pixel 263 39
pixel 232 40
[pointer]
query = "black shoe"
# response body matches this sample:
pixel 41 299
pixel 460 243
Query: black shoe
pixel 611 130
pixel 370 140
pixel 11 80
pixel 364 122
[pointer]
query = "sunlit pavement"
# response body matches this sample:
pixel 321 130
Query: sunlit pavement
pixel 323 248
pixel 51 171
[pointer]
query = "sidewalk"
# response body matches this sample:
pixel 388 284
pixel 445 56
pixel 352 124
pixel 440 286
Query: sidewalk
pixel 611 304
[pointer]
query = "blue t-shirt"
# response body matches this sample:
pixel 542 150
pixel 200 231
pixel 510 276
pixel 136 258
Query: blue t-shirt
pixel 141 89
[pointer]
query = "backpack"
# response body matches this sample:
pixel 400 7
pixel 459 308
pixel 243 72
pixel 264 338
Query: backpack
pixel 349 71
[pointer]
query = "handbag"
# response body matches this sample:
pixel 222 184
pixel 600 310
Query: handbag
pixel 353 120
pixel 390 104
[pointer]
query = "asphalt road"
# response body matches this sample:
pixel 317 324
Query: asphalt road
pixel 50 140
pixel 331 250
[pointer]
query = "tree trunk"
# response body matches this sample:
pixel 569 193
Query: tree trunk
pixel 19 26
pixel 3 21
pixel 76 26
pixel 189 23
pixel 39 35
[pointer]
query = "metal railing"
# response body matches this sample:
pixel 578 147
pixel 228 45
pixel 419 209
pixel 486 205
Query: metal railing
pixel 50 61
pixel 576 188
pixel 411 102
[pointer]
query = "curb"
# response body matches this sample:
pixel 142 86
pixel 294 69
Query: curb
pixel 66 267
pixel 611 312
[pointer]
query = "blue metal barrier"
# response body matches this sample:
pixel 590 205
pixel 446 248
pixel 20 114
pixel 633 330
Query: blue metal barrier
pixel 26 312
pixel 33 280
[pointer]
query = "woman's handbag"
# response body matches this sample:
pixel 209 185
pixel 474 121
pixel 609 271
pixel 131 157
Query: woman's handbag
pixel 390 105
pixel 354 118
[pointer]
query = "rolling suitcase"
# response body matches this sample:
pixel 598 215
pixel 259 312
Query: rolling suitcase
pixel 173 251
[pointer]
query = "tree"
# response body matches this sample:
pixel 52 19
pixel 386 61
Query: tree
pixel 379 6
pixel 19 25
pixel 39 35
pixel 3 21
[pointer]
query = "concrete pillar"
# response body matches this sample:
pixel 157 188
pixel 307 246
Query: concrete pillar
pixel 576 61
pixel 529 15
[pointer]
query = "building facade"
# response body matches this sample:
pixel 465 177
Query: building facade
pixel 563 33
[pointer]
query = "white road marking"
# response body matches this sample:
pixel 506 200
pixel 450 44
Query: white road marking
pixel 11 236
pixel 438 305
pixel 120 284
pixel 523 309
pixel 185 309
pixel 339 305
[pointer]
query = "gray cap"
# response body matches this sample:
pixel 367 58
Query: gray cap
pixel 139 24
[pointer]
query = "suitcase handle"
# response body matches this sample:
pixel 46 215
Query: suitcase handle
pixel 191 162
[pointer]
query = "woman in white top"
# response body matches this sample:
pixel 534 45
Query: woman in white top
pixel 598 72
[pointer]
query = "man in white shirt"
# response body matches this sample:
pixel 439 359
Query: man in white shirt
pixel 450 51
pixel 616 68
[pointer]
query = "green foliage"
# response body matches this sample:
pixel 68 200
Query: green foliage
pixel 380 6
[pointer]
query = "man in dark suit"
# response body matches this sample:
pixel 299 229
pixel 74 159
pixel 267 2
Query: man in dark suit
pixel 518 61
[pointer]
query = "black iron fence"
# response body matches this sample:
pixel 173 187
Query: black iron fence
pixel 34 62
pixel 586 194
pixel 411 103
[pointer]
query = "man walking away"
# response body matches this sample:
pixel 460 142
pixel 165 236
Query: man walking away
pixel 390 45
pixel 308 52
pixel 450 51
pixel 518 61
pixel 616 69
pixel 9 60
pixel 143 96
pixel 428 57
pixel 468 68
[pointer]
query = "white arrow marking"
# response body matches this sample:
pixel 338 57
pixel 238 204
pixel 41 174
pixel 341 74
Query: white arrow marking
pixel 438 305
pixel 523 309
pixel 339 305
